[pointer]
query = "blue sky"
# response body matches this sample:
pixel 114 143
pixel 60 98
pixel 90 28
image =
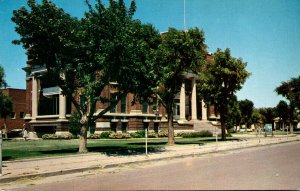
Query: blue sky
pixel 264 33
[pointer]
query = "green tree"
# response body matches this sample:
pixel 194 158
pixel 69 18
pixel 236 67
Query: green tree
pixel 291 91
pixel 220 81
pixel 180 53
pixel 5 101
pixel 267 115
pixel 257 119
pixel 282 110
pixel 85 56
pixel 246 107
pixel 233 115
pixel 3 83
pixel 5 109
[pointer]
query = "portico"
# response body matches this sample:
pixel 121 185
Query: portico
pixel 192 107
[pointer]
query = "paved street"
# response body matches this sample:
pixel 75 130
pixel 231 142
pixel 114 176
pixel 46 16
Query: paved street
pixel 268 167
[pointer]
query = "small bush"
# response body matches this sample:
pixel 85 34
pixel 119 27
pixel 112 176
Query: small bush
pixel 179 134
pixel 163 133
pixel 54 136
pixel 105 134
pixel 152 134
pixel 138 134
pixel 119 136
pixel 232 130
pixel 195 134
pixel 94 136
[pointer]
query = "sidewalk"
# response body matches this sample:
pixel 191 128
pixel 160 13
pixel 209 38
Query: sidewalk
pixel 52 166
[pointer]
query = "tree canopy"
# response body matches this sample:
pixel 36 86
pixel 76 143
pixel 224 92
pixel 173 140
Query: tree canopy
pixel 5 101
pixel 85 55
pixel 246 107
pixel 180 53
pixel 291 90
pixel 282 110
pixel 3 83
pixel 222 78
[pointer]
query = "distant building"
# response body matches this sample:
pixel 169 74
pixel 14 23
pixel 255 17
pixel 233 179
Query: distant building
pixel 48 111
pixel 16 119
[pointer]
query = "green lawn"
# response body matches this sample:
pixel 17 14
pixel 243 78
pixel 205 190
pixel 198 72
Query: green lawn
pixel 20 149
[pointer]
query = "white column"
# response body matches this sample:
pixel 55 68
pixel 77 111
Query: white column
pixel 194 100
pixel 34 98
pixel 204 111
pixel 182 102
pixel 62 106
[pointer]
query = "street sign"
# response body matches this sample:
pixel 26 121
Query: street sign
pixel 268 128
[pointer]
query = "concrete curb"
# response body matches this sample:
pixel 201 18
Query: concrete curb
pixel 84 169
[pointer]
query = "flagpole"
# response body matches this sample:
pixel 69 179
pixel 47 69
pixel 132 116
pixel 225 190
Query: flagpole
pixel 184 21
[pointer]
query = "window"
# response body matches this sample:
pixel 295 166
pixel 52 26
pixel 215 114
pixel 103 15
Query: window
pixel 48 105
pixel 22 115
pixel 13 115
pixel 123 105
pixel 144 107
pixel 114 108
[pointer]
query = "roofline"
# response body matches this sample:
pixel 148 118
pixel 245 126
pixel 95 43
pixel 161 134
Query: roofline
pixel 14 89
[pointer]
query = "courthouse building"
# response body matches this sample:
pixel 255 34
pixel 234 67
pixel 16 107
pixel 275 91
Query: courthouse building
pixel 48 111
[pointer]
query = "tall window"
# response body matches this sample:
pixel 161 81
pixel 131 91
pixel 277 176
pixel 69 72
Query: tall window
pixel 48 105
pixel 144 107
pixel 123 105
pixel 13 115
pixel 114 108
pixel 22 115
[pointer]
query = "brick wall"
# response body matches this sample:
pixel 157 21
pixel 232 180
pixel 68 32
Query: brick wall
pixel 18 97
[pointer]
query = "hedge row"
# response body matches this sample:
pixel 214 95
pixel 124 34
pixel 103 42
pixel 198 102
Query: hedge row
pixel 137 134
pixel 54 136
pixel 194 134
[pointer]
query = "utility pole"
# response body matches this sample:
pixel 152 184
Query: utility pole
pixel 146 141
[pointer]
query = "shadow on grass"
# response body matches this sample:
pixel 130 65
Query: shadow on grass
pixel 109 150
pixel 6 158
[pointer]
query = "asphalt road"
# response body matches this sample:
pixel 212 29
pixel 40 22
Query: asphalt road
pixel 270 167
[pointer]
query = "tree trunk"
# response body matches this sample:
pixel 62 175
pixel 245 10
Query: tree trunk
pixel 223 126
pixel 83 134
pixel 171 140
pixel 83 139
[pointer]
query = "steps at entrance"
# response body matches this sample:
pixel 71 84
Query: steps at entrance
pixel 206 126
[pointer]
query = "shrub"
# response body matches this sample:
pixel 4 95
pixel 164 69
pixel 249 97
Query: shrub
pixel 152 134
pixel 163 133
pixel 105 134
pixel 179 134
pixel 94 136
pixel 119 135
pixel 232 130
pixel 54 136
pixel 138 134
pixel 195 134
